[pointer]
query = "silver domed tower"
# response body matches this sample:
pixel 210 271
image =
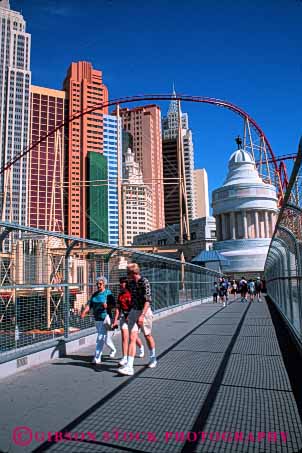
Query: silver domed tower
pixel 245 209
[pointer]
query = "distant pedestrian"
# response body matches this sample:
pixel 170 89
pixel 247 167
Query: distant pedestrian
pixel 140 317
pixel 227 286
pixel 215 292
pixel 258 288
pixel 251 290
pixel 123 307
pixel 234 288
pixel 222 291
pixel 101 304
pixel 243 289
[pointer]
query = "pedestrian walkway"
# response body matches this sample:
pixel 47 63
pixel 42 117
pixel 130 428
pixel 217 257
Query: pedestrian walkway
pixel 220 386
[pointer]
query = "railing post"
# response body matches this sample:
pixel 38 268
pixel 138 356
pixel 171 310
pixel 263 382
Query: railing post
pixel 66 289
pixel 153 289
pixel 299 283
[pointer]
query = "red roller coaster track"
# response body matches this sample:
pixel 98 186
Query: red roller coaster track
pixel 280 171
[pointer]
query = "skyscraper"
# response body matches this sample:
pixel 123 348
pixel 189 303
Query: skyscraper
pixel 170 133
pixel 144 125
pixel 46 161
pixel 137 201
pixel 112 135
pixel 97 197
pixel 15 80
pixel 201 193
pixel 171 187
pixel 84 89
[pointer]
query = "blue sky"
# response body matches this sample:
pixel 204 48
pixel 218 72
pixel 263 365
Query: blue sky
pixel 246 52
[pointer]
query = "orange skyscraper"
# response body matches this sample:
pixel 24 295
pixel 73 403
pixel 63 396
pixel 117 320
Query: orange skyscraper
pixel 84 88
pixel 144 125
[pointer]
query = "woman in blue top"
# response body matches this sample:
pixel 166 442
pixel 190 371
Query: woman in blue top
pixel 101 303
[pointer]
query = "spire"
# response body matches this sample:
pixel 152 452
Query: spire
pixel 173 107
pixel 5 4
pixel 173 91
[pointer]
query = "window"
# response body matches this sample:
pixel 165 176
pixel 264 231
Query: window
pixel 162 242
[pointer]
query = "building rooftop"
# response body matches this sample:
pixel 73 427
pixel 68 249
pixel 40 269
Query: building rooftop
pixel 240 156
pixel 5 4
pixel 242 169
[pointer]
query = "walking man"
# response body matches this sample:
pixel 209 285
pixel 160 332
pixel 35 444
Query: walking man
pixel 140 317
pixel 258 288
pixel 243 289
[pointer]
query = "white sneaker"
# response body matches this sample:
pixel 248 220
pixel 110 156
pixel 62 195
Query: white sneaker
pixel 123 362
pixel 112 354
pixel 141 353
pixel 152 363
pixel 259 299
pixel 96 361
pixel 126 370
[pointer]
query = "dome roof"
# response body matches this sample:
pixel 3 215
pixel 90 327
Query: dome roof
pixel 243 188
pixel 240 156
pixel 242 169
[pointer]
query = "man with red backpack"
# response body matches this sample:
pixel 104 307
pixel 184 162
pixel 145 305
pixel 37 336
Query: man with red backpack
pixel 140 317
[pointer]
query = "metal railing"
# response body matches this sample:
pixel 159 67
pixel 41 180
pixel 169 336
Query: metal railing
pixel 46 278
pixel 283 267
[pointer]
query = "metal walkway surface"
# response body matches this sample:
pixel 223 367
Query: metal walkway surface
pixel 220 386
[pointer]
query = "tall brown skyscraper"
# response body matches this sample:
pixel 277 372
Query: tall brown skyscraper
pixel 46 161
pixel 171 188
pixel 84 89
pixel 170 128
pixel 144 124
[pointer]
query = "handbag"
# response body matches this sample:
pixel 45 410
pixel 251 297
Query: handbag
pixel 107 322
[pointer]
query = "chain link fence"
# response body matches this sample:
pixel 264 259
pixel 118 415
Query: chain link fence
pixel 283 270
pixel 47 278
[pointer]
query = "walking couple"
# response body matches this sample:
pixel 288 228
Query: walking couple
pixel 133 308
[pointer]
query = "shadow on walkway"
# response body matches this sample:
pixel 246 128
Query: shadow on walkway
pixel 225 376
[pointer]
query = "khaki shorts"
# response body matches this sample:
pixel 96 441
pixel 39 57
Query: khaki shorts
pixel 147 326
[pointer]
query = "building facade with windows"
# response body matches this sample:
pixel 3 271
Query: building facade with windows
pixel 203 237
pixel 170 127
pixel 84 89
pixel 201 191
pixel 136 201
pixel 46 191
pixel 112 145
pixel 171 187
pixel 203 229
pixel 15 81
pixel 144 126
pixel 97 197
